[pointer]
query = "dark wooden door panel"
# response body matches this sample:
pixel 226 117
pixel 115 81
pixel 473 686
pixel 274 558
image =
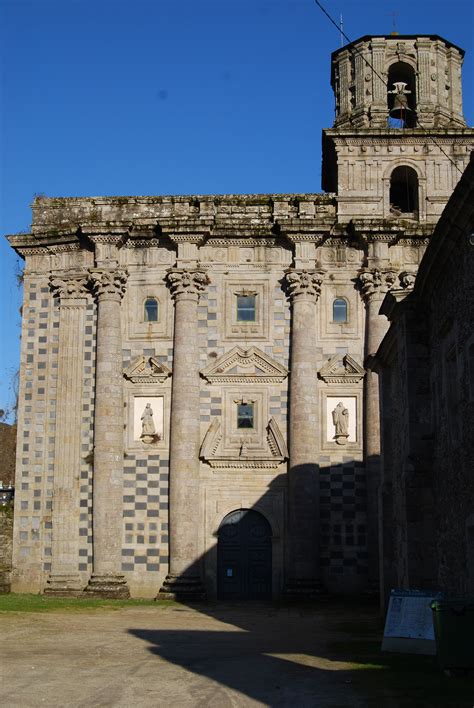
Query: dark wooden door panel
pixel 244 557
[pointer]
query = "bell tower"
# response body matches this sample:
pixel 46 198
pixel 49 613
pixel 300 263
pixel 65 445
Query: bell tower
pixel 399 142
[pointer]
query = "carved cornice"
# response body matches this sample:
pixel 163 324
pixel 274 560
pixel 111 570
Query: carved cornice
pixel 38 251
pixel 109 284
pixel 69 285
pixel 376 282
pixel 116 239
pixel 147 370
pixel 142 242
pixel 187 282
pixel 232 240
pixel 304 283
pixel 64 248
pixel 197 239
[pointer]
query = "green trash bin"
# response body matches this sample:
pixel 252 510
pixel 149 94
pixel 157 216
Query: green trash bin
pixel 453 622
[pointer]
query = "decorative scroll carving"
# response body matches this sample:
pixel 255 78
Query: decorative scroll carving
pixel 244 456
pixel 109 283
pixel 69 286
pixel 303 282
pixel 376 281
pixel 187 281
pixel 341 370
pixel 240 366
pixel 276 441
pixel 147 370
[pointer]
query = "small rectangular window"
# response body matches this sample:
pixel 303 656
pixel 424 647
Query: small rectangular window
pixel 246 308
pixel 245 415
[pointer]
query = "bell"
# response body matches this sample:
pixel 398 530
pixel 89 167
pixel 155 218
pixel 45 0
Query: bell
pixel 400 101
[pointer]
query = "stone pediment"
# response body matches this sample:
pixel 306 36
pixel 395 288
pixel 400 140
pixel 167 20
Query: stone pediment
pixel 245 455
pixel 147 370
pixel 341 369
pixel 243 366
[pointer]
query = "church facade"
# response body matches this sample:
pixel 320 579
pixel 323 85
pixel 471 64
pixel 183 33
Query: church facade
pixel 197 417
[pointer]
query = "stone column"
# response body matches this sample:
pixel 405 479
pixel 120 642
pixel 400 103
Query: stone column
pixel 303 479
pixel 65 578
pixel 184 580
pixel 374 284
pixel 107 579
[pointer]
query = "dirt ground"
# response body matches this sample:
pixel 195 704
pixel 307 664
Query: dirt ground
pixel 217 657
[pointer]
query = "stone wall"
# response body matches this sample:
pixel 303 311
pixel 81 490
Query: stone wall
pixel 6 547
pixel 426 363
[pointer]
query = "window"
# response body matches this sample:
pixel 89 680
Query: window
pixel 245 415
pixel 403 191
pixel 151 310
pixel 339 310
pixel 246 310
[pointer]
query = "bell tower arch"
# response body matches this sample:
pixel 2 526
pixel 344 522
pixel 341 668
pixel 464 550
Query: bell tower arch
pixel 398 107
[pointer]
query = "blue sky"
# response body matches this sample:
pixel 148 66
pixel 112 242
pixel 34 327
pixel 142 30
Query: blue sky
pixel 123 97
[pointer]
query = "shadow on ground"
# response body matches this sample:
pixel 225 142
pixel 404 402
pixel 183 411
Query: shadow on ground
pixel 327 655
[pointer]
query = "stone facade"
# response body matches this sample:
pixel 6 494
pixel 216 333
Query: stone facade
pixel 6 547
pixel 241 322
pixel 426 362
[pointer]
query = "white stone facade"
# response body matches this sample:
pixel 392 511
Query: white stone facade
pixel 104 502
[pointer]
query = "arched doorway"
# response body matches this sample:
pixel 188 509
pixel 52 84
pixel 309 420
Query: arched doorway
pixel 244 557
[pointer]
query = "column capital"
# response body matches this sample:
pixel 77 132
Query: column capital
pixel 374 282
pixel 108 284
pixel 304 283
pixel 70 286
pixel 187 282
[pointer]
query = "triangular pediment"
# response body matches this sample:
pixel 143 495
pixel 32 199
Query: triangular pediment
pixel 147 370
pixel 341 369
pixel 245 366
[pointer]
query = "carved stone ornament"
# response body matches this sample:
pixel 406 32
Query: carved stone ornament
pixel 244 456
pixel 187 281
pixel 109 282
pixel 69 286
pixel 304 282
pixel 147 370
pixel 376 281
pixel 341 370
pixel 407 280
pixel 244 366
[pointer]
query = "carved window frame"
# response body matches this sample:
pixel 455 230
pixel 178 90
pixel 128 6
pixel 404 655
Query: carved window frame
pixel 233 435
pixel 138 292
pixel 352 328
pixel 238 329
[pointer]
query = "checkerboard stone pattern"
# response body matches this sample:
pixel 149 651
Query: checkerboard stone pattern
pixel 343 514
pixel 37 422
pixel 145 513
pixel 87 443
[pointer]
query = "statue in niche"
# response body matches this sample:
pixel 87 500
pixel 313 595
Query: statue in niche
pixel 148 426
pixel 340 418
